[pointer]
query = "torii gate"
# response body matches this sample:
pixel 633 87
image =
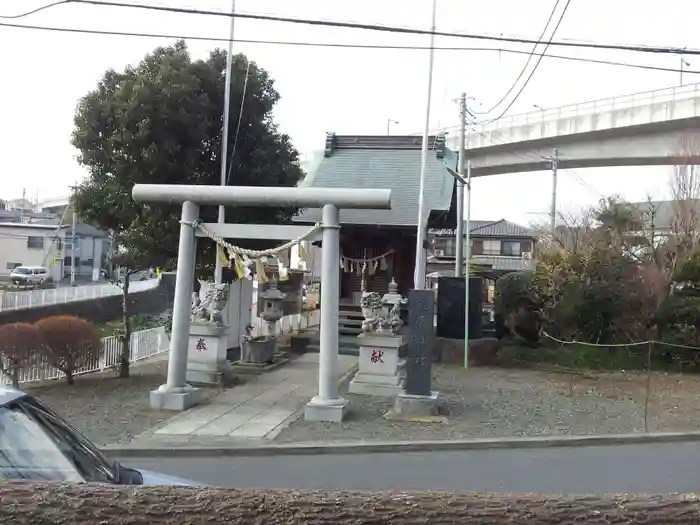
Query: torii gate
pixel 176 394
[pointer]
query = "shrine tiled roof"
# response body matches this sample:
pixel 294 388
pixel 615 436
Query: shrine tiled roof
pixel 389 162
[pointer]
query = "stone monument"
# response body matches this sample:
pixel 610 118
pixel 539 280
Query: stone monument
pixel 380 368
pixel 418 402
pixel 207 361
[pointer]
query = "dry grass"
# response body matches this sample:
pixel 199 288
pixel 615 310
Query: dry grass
pixel 673 398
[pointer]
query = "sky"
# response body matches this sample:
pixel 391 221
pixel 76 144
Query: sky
pixel 350 91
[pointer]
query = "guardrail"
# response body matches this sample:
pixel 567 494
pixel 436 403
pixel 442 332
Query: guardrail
pixel 144 344
pixel 593 107
pixel 36 298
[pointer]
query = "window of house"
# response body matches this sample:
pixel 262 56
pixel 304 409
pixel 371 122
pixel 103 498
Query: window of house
pixel 492 247
pixel 67 261
pixel 86 262
pixel 35 242
pixel 12 265
pixel 444 246
pixel 511 248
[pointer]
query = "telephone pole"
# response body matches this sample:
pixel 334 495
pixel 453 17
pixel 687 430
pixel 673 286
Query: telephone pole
pixel 459 234
pixel 554 163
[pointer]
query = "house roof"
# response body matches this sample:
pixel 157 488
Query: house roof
pixel 499 228
pixel 390 162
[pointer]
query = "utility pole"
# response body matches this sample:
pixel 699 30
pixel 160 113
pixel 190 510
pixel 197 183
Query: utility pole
pixel 73 249
pixel 421 233
pixel 554 163
pixel 459 234
pixel 218 272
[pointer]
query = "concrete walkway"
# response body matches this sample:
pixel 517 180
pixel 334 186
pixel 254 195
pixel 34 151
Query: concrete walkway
pixel 252 412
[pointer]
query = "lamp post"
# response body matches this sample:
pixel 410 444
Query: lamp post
pixel 219 270
pixel 684 62
pixel 389 122
pixel 421 233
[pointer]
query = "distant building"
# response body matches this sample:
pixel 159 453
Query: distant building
pixel 499 247
pixel 38 239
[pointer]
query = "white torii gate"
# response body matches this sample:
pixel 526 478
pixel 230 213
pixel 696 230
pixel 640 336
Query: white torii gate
pixel 176 394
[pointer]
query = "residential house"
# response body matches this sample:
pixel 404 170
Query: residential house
pixel 34 240
pixel 498 246
pixel 660 215
pixel 382 241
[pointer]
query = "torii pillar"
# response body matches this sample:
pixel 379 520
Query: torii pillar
pixel 176 394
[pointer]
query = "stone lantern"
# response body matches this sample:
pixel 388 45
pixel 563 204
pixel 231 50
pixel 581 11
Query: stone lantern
pixel 272 307
pixel 261 349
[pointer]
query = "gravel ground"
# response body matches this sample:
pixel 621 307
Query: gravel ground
pixel 489 402
pixel 108 409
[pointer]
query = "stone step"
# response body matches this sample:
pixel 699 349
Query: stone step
pixel 349 330
pixel 345 314
pixel 350 322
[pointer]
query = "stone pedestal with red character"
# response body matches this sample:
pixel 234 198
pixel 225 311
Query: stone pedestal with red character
pixel 380 369
pixel 206 354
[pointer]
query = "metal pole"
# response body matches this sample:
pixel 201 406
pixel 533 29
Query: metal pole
pixel 468 252
pixel 682 62
pixel 553 212
pixel 218 272
pixel 420 263
pixel 459 234
pixel 73 248
pixel 182 304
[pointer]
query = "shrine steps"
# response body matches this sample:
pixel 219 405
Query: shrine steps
pixel 347 345
pixel 350 320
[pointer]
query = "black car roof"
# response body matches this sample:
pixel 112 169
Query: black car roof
pixel 8 395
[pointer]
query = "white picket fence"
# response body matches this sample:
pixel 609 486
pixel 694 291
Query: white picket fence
pixel 289 323
pixel 68 294
pixel 144 344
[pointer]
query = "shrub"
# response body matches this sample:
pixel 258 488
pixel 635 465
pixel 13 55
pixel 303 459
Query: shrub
pixel 19 343
pixel 69 343
pixel 516 305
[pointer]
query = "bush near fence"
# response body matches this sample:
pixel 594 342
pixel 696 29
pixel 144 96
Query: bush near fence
pixel 144 344
pixel 636 356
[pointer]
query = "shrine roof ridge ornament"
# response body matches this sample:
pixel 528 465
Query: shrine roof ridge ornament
pixel 348 198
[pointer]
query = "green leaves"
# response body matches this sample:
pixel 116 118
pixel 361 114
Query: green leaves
pixel 160 122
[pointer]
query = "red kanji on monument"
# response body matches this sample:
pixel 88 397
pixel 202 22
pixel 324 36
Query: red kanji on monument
pixel 377 356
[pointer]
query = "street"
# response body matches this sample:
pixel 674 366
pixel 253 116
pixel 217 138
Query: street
pixel 649 468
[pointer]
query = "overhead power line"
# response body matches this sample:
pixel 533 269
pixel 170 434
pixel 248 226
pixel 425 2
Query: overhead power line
pixel 386 29
pixel 33 11
pixel 527 63
pixel 338 45
pixel 534 69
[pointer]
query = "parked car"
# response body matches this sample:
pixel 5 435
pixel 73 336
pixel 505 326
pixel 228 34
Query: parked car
pixel 30 275
pixel 36 444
